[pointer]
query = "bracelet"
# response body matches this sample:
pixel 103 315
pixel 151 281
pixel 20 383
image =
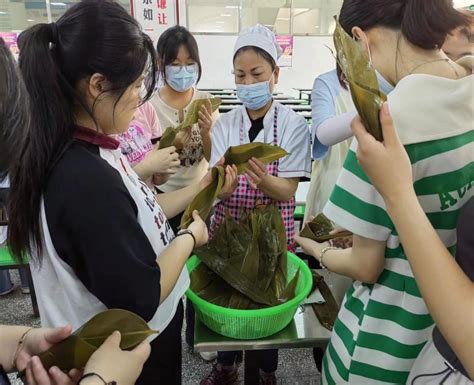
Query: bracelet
pixel 99 377
pixel 21 342
pixel 321 256
pixel 189 232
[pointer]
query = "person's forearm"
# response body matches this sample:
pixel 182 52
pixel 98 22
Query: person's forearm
pixel 279 189
pixel 350 264
pixel 336 129
pixel 159 179
pixel 207 145
pixel 175 202
pixel 143 170
pixel 171 262
pixel 447 291
pixel 9 338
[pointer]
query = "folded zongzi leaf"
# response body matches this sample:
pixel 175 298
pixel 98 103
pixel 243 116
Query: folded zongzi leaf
pixel 75 351
pixel 264 152
pixel 191 118
pixel 362 79
pixel 319 230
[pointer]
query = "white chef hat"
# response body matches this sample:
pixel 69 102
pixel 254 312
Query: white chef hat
pixel 261 37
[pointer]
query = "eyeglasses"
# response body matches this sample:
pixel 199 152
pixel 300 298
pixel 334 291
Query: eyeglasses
pixel 175 69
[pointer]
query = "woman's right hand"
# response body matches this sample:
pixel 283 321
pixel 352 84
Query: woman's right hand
pixel 199 229
pixel 115 364
pixel 163 161
pixel 230 183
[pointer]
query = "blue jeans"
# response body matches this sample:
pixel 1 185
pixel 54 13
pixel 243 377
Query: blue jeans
pixel 6 282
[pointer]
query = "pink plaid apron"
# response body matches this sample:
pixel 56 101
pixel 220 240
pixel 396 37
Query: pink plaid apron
pixel 245 197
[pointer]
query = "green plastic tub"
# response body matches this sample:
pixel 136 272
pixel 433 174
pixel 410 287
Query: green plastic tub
pixel 253 324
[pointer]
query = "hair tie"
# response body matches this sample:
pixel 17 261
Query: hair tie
pixel 54 33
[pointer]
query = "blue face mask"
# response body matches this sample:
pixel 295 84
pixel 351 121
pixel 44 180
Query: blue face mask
pixel 384 85
pixel 254 96
pixel 181 78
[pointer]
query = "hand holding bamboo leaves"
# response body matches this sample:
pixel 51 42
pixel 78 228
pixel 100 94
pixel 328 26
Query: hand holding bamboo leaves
pixel 238 156
pixel 192 117
pixel 75 351
pixel 115 364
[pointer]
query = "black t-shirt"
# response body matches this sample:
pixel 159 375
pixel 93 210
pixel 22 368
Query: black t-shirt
pixel 257 126
pixel 465 259
pixel 94 229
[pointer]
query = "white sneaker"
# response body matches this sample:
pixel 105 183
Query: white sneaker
pixel 208 356
pixel 25 290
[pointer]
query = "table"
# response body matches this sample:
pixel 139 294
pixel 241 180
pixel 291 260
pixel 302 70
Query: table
pixel 304 91
pixel 301 107
pixel 305 114
pixel 291 102
pixel 305 331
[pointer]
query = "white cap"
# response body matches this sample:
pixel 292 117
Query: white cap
pixel 261 37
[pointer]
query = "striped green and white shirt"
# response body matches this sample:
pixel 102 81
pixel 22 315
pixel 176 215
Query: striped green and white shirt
pixel 381 328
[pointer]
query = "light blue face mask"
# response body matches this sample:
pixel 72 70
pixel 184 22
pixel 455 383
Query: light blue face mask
pixel 254 96
pixel 384 85
pixel 181 78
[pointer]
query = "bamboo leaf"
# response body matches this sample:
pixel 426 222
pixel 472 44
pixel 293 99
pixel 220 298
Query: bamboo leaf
pixel 264 152
pixel 245 264
pixel 319 230
pixel 238 155
pixel 204 200
pixel 75 351
pixel 362 80
pixel 191 118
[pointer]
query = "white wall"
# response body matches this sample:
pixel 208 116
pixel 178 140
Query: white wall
pixel 311 58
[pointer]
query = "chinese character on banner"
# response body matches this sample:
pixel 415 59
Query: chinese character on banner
pixel 155 16
pixel 148 14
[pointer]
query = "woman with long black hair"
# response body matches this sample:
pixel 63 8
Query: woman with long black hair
pixel 96 234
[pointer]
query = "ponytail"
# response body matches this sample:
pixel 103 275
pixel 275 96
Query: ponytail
pixel 427 23
pixel 44 141
pixel 91 37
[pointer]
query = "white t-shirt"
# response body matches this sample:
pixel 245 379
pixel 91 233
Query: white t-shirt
pixel 293 136
pixel 188 173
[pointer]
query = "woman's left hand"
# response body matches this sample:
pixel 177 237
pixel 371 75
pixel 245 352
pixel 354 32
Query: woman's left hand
pixel 38 341
pixel 311 247
pixel 205 118
pixel 256 172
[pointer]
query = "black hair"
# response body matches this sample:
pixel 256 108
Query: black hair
pixel 424 23
pixel 13 109
pixel 168 46
pixel 260 52
pixel 93 36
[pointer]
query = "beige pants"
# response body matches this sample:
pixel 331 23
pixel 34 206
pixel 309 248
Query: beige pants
pixel 430 368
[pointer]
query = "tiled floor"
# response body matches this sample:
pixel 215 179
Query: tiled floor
pixel 296 367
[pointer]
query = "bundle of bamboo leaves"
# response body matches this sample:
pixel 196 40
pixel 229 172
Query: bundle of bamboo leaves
pixel 245 265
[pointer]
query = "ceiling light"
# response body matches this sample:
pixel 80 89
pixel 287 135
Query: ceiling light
pixel 232 6
pixel 226 15
pixel 59 4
